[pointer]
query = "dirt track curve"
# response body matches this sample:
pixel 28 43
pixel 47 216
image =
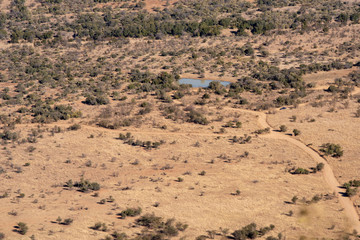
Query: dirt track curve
pixel 327 172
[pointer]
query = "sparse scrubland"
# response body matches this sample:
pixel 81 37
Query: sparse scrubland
pixel 100 141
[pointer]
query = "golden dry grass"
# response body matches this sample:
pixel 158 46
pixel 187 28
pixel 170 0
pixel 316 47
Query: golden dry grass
pixel 204 202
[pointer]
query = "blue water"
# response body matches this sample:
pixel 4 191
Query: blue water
pixel 200 83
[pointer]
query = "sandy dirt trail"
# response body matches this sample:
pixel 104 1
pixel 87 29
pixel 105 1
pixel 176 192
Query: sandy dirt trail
pixel 327 172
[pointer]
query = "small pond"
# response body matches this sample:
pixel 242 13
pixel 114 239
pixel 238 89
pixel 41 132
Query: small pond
pixel 200 83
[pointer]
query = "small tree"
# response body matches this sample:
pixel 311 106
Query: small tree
pixel 301 171
pixel 319 166
pixel 283 128
pixel 68 221
pixel 294 199
pixel 296 132
pixel 22 228
pixel 350 191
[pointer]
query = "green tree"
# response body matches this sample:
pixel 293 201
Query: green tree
pixel 283 128
pixel 296 132
pixel 22 228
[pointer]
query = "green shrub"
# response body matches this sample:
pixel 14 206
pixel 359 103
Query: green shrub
pixel 332 149
pixel 74 127
pixel 150 221
pixel 352 183
pixel 181 226
pixel 196 117
pixel 44 113
pixel 22 228
pixel 296 132
pixel 319 166
pixel 86 185
pixel 96 100
pixel 67 221
pixel 262 131
pixel 169 229
pixel 350 191
pixel 250 232
pixel 301 171
pixel 283 128
pixel 130 212
pixel 119 236
pixel 9 135
pixel 99 226
pixel 351 187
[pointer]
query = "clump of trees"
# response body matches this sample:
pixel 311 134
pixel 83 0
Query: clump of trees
pixel 83 185
pixel 317 168
pixel 9 135
pixel 332 149
pixel 301 171
pixel 154 228
pixel 130 212
pixel 160 229
pixel 147 82
pixel 351 187
pixel 96 99
pixel 262 131
pixel 44 113
pixel 99 226
pixel 283 128
pixel 251 232
pixel 233 124
pixel 130 140
pixel 197 117
pixel 22 228
pixel 66 221
pixel 296 132
pixel 241 140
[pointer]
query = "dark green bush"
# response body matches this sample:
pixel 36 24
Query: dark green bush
pixel 44 113
pixel 150 221
pixel 319 166
pixel 96 100
pixel 74 127
pixel 296 132
pixel 350 191
pixel 130 212
pixel 250 232
pixel 196 117
pixel 22 228
pixel 283 128
pixel 67 221
pixel 9 135
pixel 86 185
pixel 119 236
pixel 301 171
pixel 332 149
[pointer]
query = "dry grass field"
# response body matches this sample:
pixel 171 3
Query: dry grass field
pixel 139 178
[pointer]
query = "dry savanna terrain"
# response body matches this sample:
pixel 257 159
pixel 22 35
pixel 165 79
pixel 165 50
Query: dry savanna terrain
pixel 100 140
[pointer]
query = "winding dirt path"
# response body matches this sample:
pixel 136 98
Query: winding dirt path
pixel 327 172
